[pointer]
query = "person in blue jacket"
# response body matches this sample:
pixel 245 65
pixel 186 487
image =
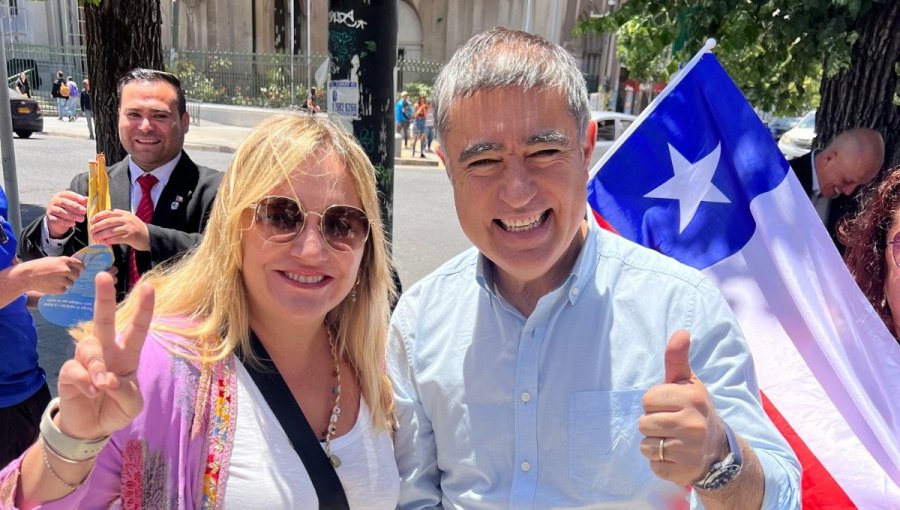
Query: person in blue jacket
pixel 403 116
pixel 23 387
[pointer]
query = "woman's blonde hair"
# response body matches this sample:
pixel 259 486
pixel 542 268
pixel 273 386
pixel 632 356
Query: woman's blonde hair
pixel 206 285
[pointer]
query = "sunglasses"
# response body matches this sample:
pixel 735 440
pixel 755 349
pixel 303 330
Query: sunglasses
pixel 895 249
pixel 281 219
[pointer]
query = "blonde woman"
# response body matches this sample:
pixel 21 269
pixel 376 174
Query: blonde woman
pixel 293 269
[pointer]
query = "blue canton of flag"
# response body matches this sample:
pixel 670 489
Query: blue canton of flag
pixel 683 180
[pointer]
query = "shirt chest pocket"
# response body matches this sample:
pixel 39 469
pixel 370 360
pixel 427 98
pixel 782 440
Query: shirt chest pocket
pixel 604 442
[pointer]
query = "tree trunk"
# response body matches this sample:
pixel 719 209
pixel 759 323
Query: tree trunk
pixel 120 36
pixel 863 95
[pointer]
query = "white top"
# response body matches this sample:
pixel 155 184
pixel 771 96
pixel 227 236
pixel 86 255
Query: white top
pixel 265 471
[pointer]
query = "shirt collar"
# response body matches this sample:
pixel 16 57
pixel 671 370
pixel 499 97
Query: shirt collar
pixel 162 173
pixel 816 190
pixel 584 267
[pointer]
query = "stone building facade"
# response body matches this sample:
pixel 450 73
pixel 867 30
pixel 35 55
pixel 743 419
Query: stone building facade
pixel 429 30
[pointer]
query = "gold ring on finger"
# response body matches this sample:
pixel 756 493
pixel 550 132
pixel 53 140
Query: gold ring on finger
pixel 662 449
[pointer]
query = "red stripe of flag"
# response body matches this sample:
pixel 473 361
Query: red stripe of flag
pixel 603 223
pixel 819 489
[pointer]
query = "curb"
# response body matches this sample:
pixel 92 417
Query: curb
pixel 415 162
pixel 209 148
pixel 230 150
pixel 187 145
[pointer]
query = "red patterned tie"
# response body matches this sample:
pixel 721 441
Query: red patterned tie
pixel 144 213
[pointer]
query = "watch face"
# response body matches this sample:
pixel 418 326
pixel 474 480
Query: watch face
pixel 722 477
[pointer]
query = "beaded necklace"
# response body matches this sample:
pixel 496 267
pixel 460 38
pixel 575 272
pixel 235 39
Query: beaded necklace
pixel 329 432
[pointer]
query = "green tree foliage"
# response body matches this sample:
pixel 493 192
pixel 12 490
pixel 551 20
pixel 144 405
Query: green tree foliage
pixel 774 49
pixel 783 54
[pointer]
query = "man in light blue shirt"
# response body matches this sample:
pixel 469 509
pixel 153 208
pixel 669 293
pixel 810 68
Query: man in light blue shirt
pixel 557 365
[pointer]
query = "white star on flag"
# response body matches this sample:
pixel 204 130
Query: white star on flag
pixel 691 184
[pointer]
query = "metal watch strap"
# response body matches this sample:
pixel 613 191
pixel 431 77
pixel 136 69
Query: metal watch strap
pixel 725 471
pixel 64 446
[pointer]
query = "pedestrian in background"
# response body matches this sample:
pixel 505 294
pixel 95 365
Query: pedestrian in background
pixel 419 114
pixel 60 92
pixel 429 126
pixel 72 102
pixel 22 85
pixel 86 106
pixel 403 116
pixel 311 105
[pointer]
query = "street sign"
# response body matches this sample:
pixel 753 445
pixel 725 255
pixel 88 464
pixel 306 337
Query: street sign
pixel 343 98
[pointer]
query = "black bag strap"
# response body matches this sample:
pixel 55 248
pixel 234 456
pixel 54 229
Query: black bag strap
pixel 270 383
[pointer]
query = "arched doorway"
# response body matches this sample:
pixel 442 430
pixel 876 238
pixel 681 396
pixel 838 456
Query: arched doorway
pixel 409 27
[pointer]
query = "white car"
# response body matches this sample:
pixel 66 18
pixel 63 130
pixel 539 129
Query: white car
pixel 610 126
pixel 798 141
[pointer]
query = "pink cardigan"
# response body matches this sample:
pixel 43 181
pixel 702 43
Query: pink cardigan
pixel 176 452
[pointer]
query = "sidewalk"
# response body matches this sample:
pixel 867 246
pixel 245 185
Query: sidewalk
pixel 211 136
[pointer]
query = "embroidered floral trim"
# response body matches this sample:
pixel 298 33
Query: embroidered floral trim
pixel 144 477
pixel 132 475
pixel 220 433
pixel 186 396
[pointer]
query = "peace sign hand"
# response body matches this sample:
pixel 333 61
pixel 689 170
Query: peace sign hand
pixel 98 389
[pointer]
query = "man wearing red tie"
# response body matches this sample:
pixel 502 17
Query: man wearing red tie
pixel 160 199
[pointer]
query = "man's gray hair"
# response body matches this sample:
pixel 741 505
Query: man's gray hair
pixel 502 58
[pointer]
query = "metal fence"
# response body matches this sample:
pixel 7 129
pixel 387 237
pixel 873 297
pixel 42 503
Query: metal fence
pixel 221 77
pixel 42 63
pixel 417 71
pixel 261 79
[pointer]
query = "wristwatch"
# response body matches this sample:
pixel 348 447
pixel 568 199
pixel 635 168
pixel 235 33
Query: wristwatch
pixel 64 446
pixel 726 470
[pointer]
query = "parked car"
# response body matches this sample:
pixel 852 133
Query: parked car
pixel 610 126
pixel 798 141
pixel 781 125
pixel 26 114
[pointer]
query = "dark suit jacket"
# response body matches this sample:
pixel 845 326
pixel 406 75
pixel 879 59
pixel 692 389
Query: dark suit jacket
pixel 178 220
pixel 802 168
pixel 840 205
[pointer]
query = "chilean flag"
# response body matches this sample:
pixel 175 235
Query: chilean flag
pixel 698 178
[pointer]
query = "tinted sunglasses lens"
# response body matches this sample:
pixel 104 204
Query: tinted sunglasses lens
pixel 895 249
pixel 345 228
pixel 279 219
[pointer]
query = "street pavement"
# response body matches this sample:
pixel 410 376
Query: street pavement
pixel 211 136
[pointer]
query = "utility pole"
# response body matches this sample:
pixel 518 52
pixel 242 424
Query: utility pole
pixel 173 52
pixel 292 23
pixel 10 181
pixel 362 45
pixel 308 45
pixel 529 7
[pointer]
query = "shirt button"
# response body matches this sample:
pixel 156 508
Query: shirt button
pixel 575 291
pixel 526 467
pixel 525 396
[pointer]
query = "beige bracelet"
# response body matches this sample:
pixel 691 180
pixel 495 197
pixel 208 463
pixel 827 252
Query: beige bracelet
pixel 64 446
pixel 49 468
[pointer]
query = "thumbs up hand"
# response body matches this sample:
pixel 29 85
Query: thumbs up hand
pixel 684 435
